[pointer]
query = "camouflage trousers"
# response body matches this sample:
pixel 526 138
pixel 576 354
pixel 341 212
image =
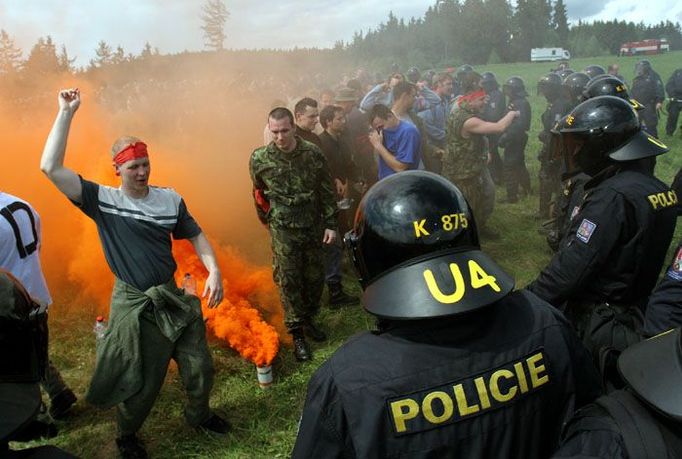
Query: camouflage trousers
pixel 298 270
pixel 474 191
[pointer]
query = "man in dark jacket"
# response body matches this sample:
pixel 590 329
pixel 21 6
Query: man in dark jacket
pixel 514 140
pixel 647 88
pixel 642 421
pixel 609 260
pixel 460 365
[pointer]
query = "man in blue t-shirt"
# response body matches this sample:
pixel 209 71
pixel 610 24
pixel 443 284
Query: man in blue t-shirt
pixel 398 143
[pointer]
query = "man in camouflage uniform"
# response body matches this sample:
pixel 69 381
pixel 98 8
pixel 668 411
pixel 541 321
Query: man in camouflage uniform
pixel 465 159
pixel 294 197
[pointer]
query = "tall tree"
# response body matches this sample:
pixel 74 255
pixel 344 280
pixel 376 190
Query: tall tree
pixel 64 61
pixel 102 55
pixel 43 58
pixel 10 55
pixel 560 22
pixel 214 16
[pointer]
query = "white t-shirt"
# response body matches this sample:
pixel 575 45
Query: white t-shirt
pixel 20 246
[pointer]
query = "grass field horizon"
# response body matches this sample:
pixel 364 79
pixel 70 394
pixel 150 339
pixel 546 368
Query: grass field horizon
pixel 265 421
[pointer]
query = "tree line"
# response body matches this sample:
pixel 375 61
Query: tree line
pixel 492 31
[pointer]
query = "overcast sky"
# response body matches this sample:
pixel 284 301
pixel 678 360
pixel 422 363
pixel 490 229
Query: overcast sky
pixel 174 25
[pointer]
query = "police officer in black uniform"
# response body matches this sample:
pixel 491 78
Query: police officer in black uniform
pixel 594 70
pixel 550 167
pixel 460 366
pixel 573 87
pixel 643 421
pixel 674 89
pixel 514 140
pixel 647 88
pixel 664 310
pixel 609 261
pixel 494 110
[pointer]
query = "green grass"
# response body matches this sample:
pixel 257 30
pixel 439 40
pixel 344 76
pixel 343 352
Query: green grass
pixel 265 421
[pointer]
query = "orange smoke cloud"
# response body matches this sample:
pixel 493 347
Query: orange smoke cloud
pixel 203 154
pixel 236 320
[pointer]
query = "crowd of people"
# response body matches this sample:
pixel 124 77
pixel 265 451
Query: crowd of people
pixel 403 172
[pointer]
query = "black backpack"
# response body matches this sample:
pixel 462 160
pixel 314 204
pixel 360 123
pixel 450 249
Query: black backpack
pixel 643 435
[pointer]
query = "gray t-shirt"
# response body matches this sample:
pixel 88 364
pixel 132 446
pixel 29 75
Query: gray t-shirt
pixel 136 233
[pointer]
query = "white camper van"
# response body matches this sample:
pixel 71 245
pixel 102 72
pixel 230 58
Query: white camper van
pixel 549 54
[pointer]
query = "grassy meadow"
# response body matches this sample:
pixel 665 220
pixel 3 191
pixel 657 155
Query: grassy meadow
pixel 265 421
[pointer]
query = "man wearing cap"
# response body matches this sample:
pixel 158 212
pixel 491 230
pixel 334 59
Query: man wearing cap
pixel 460 365
pixel 608 263
pixel 643 420
pixel 647 88
pixel 151 319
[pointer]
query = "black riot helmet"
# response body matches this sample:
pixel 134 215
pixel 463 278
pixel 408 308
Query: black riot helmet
pixel 602 131
pixel 462 71
pixel 415 248
pixel 514 87
pixel 413 75
pixel 564 73
pixel 574 85
pixel 653 370
pixel 489 82
pixel 594 70
pixel 642 67
pixel 609 85
pixel 550 86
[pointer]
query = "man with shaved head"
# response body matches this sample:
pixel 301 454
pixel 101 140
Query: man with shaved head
pixel 151 319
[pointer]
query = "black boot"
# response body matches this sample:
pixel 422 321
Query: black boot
pixel 60 405
pixel 314 333
pixel 337 297
pixel 301 350
pixel 130 447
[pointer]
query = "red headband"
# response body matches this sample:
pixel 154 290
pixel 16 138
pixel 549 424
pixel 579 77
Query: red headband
pixel 471 96
pixel 133 151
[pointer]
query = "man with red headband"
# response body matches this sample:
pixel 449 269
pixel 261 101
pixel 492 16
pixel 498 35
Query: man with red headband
pixel 466 155
pixel 151 319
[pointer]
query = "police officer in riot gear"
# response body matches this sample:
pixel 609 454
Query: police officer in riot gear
pixel 609 261
pixel 609 85
pixel 564 73
pixel 460 365
pixel 674 89
pixel 413 75
pixel 573 182
pixel 574 85
pixel 514 140
pixel 647 88
pixel 594 70
pixel 495 109
pixel 644 420
pixel 549 176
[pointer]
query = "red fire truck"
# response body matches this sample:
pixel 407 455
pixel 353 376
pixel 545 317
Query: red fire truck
pixel 650 46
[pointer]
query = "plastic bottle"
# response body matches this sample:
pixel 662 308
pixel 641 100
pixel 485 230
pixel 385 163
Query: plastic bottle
pixel 189 284
pixel 100 327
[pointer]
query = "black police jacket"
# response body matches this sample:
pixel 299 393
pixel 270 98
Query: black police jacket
pixel 616 241
pixel 593 433
pixel 496 383
pixel 664 310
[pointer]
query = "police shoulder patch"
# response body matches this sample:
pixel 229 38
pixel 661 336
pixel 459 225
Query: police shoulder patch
pixel 675 270
pixel 585 230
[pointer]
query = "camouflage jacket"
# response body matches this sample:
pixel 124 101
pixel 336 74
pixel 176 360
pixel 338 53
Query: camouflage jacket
pixel 464 158
pixel 296 186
